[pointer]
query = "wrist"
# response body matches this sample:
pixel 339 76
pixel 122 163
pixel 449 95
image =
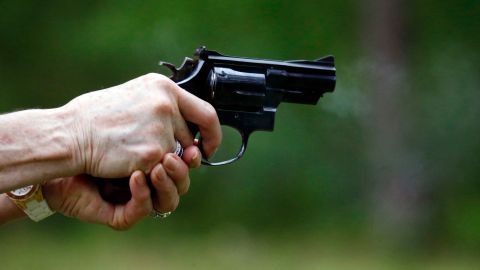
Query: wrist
pixel 38 146
pixel 31 201
pixel 8 210
pixel 52 192
pixel 70 117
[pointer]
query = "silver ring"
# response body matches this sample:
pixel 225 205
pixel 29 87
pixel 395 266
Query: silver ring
pixel 178 149
pixel 159 215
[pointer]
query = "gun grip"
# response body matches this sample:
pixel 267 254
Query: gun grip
pixel 116 191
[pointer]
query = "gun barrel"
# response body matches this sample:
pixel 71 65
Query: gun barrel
pixel 299 87
pixel 253 82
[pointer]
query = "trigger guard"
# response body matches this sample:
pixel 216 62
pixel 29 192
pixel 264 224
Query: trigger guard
pixel 244 134
pixel 239 155
pixel 228 161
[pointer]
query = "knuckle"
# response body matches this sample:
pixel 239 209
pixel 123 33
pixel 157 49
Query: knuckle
pixel 210 114
pixel 164 107
pixel 158 178
pixel 153 77
pixel 117 226
pixel 148 156
pixel 164 102
pixel 144 196
pixel 159 81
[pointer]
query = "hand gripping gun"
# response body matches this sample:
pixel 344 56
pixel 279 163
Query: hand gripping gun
pixel 246 92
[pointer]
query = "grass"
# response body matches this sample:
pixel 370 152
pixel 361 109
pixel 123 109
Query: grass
pixel 24 245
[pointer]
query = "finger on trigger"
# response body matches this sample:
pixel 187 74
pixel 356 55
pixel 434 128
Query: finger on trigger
pixel 204 116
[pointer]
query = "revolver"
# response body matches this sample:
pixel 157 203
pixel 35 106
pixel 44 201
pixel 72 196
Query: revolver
pixel 245 93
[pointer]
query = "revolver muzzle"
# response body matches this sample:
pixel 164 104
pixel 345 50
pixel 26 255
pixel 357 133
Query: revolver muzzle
pixel 300 87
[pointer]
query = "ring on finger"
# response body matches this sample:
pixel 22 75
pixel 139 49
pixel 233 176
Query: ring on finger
pixel 159 215
pixel 178 149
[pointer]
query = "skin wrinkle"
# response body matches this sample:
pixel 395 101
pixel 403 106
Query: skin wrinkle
pixel 91 207
pixel 43 143
pixel 68 206
pixel 119 221
pixel 64 189
pixel 5 139
pixel 106 213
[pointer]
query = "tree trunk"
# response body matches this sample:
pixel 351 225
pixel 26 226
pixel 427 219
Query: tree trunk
pixel 397 213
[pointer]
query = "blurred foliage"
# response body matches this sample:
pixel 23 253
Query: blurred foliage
pixel 307 178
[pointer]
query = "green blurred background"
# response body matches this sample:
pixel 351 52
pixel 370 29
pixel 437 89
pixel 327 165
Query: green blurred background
pixel 381 174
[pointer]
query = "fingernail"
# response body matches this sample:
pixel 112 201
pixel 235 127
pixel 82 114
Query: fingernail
pixel 170 164
pixel 137 177
pixel 195 159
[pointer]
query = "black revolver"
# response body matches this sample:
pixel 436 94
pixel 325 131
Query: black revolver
pixel 245 92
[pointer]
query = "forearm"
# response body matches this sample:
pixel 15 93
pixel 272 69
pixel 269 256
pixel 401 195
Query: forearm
pixel 36 145
pixel 8 210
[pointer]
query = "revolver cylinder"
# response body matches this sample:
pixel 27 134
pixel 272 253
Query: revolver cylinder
pixel 234 89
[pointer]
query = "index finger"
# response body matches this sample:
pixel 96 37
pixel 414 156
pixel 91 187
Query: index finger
pixel 201 113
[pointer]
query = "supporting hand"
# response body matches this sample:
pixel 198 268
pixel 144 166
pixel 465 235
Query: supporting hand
pixel 78 196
